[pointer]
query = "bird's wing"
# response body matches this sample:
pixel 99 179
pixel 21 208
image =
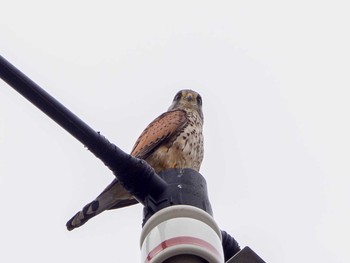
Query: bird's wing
pixel 158 132
pixel 114 195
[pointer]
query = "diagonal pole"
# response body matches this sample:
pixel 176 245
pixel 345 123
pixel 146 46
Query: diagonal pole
pixel 135 174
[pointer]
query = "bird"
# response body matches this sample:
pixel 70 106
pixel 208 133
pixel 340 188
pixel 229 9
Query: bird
pixel 172 140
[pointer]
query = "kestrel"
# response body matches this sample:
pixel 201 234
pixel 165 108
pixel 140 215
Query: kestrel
pixel 173 140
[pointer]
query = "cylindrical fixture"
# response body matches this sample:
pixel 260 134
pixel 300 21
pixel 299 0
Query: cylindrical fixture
pixel 181 232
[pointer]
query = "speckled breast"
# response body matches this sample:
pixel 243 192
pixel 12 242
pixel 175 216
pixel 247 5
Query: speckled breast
pixel 185 151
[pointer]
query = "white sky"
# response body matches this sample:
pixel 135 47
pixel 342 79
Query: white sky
pixel 274 77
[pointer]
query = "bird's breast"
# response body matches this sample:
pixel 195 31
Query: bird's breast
pixel 184 150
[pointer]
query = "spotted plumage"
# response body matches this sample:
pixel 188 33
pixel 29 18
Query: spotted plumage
pixel 173 140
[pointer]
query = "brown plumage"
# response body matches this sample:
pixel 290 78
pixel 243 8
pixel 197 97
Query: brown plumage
pixel 173 140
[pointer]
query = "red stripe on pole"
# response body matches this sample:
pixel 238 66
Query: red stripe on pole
pixel 182 240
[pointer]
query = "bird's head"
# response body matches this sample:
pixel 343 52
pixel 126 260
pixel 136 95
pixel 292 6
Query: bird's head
pixel 187 99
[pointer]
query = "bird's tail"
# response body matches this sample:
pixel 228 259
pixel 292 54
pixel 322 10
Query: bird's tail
pixel 113 197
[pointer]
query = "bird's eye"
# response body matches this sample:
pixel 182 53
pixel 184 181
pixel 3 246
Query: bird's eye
pixel 199 100
pixel 177 96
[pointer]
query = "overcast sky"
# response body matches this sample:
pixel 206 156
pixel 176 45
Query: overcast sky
pixel 274 78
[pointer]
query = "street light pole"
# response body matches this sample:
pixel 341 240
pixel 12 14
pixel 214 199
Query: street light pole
pixel 178 225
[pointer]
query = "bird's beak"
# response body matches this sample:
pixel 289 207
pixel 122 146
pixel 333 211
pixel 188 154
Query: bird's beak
pixel 189 97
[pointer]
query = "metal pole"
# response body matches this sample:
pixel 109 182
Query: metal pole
pixel 135 174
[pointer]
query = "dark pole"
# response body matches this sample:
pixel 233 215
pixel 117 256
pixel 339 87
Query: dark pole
pixel 135 174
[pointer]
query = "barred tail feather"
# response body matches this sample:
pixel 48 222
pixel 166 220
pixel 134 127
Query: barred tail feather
pixel 113 197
